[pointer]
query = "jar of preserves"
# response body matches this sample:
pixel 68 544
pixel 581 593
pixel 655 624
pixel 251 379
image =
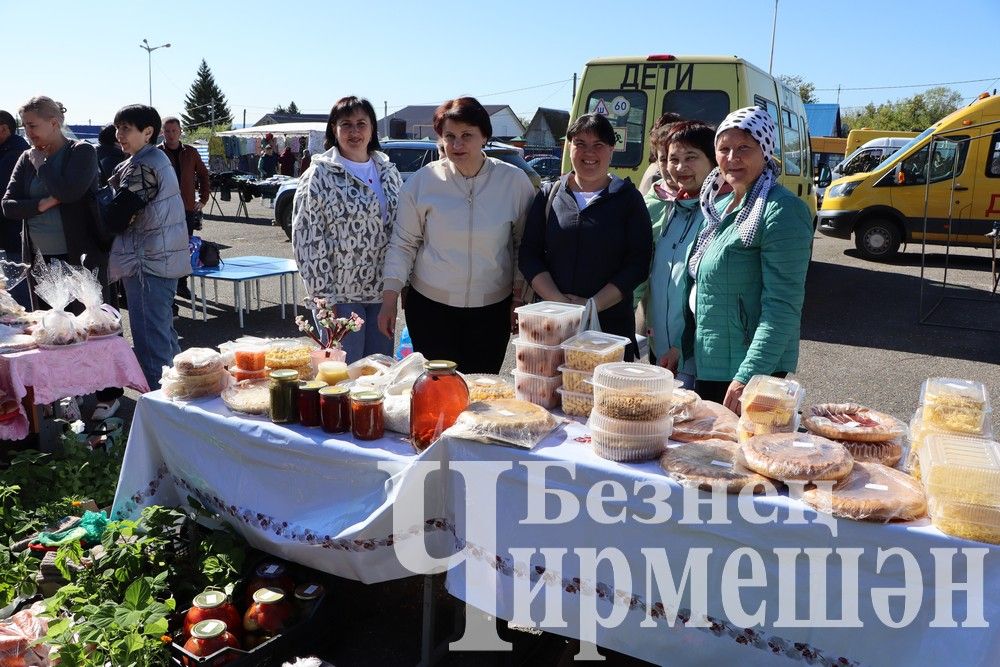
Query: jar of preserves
pixel 367 421
pixel 307 598
pixel 309 402
pixel 284 396
pixel 208 638
pixel 270 574
pixel 439 396
pixel 212 604
pixel 335 409
pixel 269 613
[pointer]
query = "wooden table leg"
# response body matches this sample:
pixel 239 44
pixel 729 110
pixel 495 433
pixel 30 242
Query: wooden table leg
pixel 31 410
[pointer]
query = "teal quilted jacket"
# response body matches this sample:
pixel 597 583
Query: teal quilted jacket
pixel 749 300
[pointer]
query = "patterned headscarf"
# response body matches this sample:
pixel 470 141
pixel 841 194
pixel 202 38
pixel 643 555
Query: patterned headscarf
pixel 759 125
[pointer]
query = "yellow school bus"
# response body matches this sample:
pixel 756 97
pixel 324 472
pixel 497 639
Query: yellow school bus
pixel 634 91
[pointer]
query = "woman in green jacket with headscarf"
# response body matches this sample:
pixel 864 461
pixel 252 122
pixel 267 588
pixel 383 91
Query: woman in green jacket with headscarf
pixel 749 264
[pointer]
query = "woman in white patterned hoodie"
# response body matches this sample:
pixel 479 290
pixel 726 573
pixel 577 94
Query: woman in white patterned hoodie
pixel 345 208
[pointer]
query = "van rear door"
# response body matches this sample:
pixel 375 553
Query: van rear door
pixel 986 191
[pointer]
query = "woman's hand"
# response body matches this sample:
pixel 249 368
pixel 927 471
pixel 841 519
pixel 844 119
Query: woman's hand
pixel 733 394
pixel 387 315
pixel 47 203
pixel 670 359
pixel 575 300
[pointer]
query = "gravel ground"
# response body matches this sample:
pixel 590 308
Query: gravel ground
pixel 861 341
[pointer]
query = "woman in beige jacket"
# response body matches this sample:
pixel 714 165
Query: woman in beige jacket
pixel 455 242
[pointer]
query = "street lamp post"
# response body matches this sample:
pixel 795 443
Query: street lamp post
pixel 149 53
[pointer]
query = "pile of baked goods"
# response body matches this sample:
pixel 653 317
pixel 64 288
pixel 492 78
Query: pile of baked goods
pixel 769 405
pixel 869 435
pixel 631 417
pixel 197 372
pixel 538 351
pixel 507 421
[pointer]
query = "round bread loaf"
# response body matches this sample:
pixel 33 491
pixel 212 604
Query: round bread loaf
pixel 711 464
pixel 706 420
pixel 797 456
pixel 887 453
pixel 871 492
pixel 850 421
pixel 507 418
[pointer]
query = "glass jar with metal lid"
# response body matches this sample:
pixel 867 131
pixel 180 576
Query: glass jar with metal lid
pixel 367 421
pixel 309 402
pixel 335 409
pixel 284 396
pixel 439 396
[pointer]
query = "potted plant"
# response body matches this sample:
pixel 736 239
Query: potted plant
pixel 332 330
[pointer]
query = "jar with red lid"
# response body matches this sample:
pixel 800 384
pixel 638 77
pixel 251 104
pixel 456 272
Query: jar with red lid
pixel 335 409
pixel 270 612
pixel 367 420
pixel 270 574
pixel 439 396
pixel 309 411
pixel 210 637
pixel 212 604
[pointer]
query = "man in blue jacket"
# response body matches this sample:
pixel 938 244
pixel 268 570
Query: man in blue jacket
pixel 11 147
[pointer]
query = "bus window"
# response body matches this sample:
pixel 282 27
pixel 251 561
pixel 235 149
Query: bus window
pixel 791 144
pixel 630 128
pixel 993 157
pixel 772 111
pixel 915 167
pixel 708 106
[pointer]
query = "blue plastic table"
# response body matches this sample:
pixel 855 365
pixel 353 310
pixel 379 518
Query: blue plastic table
pixel 246 271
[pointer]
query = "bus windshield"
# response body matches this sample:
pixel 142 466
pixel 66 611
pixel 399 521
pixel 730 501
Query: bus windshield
pixel 905 147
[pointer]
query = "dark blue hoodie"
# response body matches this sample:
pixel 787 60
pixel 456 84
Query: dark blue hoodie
pixel 10 230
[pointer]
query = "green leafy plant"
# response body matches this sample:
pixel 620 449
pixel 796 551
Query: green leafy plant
pixel 16 576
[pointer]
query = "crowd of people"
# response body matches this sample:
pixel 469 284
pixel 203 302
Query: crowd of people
pixel 711 246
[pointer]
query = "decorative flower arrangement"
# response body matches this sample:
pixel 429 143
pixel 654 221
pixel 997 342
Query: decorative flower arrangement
pixel 332 328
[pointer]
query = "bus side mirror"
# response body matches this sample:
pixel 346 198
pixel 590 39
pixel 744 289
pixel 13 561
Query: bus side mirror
pixel 824 178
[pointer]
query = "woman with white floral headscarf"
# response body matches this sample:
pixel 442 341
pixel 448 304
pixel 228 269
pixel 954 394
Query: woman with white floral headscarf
pixel 748 263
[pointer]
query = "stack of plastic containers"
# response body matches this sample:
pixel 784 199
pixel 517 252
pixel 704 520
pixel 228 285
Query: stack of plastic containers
pixel 248 362
pixel 538 353
pixel 962 477
pixel 948 406
pixel 584 353
pixel 631 417
pixel 769 405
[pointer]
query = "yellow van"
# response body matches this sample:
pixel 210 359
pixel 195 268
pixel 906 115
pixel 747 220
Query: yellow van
pixel 952 169
pixel 634 91
pixel 857 138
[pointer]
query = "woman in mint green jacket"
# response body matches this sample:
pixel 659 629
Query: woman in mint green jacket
pixel 685 155
pixel 749 264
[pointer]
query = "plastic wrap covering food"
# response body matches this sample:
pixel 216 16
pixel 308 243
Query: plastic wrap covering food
pixel 506 421
pixel 228 349
pixel 971 522
pixel 54 284
pixel 962 468
pixel 293 353
pixel 588 350
pixel 638 392
pixel 252 397
pixel 574 403
pixel 537 359
pixel 706 420
pixel 18 637
pixel 871 492
pixel 797 456
pixel 486 387
pixel 711 464
pixel 919 432
pixel 10 310
pixel 628 440
pixel 747 429
pixel 681 404
pixel 887 453
pixel 98 319
pixel 958 406
pixel 12 339
pixel 198 361
pixel 850 421
pixel 548 322
pixel 175 385
pixel 537 389
pixel 373 364
pixel 395 382
pixel 580 382
pixel 771 401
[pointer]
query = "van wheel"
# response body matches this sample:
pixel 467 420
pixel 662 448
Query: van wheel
pixel 877 239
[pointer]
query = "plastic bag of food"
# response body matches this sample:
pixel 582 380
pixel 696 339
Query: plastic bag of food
pixel 374 364
pixel 54 284
pixel 871 492
pixel 198 361
pixel 396 383
pixel 176 385
pixel 706 420
pixel 97 318
pixel 18 634
pixel 505 421
pixel 850 421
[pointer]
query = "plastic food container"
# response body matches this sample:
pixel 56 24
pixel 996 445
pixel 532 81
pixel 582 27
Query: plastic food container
pixel 771 401
pixel 548 322
pixel 626 428
pixel 955 405
pixel 746 429
pixel 972 522
pixel 576 404
pixel 578 381
pixel 588 350
pixel 623 440
pixel 636 392
pixel 486 387
pixel 241 374
pixel 537 389
pixel 960 468
pixel 249 356
pixel 537 359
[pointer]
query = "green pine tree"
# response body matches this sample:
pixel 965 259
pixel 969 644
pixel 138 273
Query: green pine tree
pixel 292 108
pixel 204 93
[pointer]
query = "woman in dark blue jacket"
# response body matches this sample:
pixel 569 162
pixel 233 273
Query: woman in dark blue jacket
pixel 596 241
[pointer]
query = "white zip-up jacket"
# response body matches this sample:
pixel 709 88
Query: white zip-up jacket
pixel 456 238
pixel 338 233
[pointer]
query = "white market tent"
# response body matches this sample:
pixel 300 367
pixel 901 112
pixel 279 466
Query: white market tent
pixel 315 132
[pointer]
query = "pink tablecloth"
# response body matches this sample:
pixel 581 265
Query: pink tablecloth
pixel 70 371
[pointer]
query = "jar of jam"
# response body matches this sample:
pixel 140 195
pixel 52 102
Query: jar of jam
pixel 439 396
pixel 208 638
pixel 367 421
pixel 332 372
pixel 270 574
pixel 270 612
pixel 284 396
pixel 212 604
pixel 335 408
pixel 307 598
pixel 309 402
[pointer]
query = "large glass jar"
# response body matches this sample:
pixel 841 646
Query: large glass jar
pixel 439 396
pixel 212 604
pixel 367 420
pixel 284 396
pixel 207 638
pixel 309 402
pixel 335 409
pixel 270 612
pixel 270 574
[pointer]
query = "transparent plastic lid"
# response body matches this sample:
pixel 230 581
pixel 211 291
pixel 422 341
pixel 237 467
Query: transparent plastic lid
pixel 521 376
pixel 974 392
pixel 623 427
pixel 955 405
pixel 765 393
pixel 576 371
pixel 961 468
pixel 634 376
pixel 550 309
pixel 596 342
pixel 520 341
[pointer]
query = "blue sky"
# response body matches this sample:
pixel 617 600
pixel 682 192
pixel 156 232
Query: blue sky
pixel 265 53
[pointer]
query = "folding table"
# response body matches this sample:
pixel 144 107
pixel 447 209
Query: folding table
pixel 246 271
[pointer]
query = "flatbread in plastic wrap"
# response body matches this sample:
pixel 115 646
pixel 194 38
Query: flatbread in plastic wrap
pixel 871 492
pixel 887 453
pixel 850 421
pixel 711 464
pixel 797 456
pixel 175 385
pixel 504 421
pixel 683 401
pixel 54 284
pixel 706 421
pixel 198 361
